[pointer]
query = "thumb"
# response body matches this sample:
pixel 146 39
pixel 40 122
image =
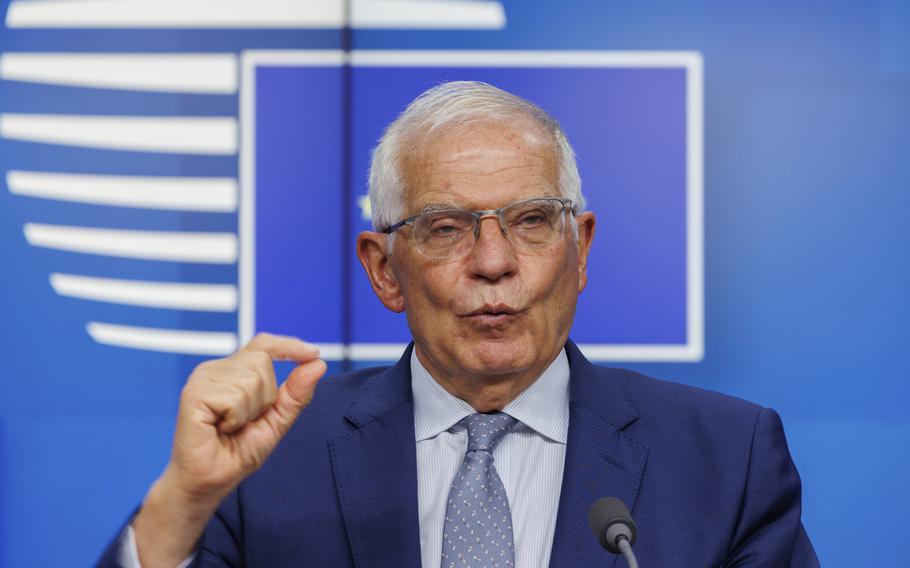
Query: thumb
pixel 296 392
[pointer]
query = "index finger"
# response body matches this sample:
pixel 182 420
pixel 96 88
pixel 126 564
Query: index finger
pixel 283 347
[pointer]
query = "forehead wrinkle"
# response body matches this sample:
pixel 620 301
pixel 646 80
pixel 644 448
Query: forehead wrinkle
pixel 534 149
pixel 529 142
pixel 468 174
pixel 473 171
pixel 441 170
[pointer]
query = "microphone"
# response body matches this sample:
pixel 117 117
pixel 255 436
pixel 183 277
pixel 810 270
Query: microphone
pixel 614 528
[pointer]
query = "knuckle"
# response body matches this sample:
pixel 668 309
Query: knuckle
pixel 235 414
pixel 204 367
pixel 254 360
pixel 245 401
pixel 270 395
pixel 262 359
pixel 261 337
pixel 250 379
pixel 208 370
pixel 252 461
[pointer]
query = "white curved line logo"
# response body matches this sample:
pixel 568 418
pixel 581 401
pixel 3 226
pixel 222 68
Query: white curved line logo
pixel 262 14
pixel 175 73
pixel 214 195
pixel 205 73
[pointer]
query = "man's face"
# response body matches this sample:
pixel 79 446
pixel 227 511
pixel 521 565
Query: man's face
pixel 496 311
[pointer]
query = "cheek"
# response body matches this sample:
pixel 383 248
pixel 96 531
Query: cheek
pixel 552 272
pixel 430 288
pixel 559 287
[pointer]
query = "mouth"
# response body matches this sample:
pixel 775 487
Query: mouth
pixel 493 315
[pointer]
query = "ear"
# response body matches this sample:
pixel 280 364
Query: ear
pixel 586 222
pixel 371 250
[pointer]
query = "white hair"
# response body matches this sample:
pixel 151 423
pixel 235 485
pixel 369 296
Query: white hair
pixel 449 105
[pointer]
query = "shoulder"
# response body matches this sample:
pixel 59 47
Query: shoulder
pixel 336 393
pixel 712 463
pixel 623 397
pixel 351 380
pixel 650 394
pixel 668 413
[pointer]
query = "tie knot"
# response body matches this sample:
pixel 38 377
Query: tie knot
pixel 486 430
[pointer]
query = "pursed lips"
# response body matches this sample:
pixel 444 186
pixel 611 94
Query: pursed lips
pixel 493 315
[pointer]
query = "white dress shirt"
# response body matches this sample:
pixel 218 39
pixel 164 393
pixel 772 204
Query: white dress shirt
pixel 529 460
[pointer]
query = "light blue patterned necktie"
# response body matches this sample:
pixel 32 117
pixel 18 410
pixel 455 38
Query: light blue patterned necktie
pixel 478 526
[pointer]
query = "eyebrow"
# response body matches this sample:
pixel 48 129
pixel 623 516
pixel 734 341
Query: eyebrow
pixel 443 206
pixel 431 207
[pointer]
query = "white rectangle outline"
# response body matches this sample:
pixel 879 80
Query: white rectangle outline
pixel 246 318
pixel 691 61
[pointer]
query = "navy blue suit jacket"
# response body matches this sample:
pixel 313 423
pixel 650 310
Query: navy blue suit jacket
pixel 708 479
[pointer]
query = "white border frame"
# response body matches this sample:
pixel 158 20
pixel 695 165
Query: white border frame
pixel 691 61
pixel 246 264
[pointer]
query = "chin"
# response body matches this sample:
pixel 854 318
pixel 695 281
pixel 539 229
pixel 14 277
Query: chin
pixel 500 357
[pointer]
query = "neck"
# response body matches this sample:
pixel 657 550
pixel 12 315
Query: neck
pixel 486 393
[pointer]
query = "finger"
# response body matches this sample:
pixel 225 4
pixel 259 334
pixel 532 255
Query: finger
pixel 283 347
pixel 250 372
pixel 229 406
pixel 295 394
pixel 269 392
pixel 255 360
pixel 263 372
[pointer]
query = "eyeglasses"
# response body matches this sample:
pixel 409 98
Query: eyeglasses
pixel 448 234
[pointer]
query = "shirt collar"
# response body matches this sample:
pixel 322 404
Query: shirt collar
pixel 543 406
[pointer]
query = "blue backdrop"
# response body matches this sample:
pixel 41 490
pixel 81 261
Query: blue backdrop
pixel 806 189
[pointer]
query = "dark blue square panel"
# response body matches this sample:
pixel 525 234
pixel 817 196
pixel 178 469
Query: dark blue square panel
pixel 635 123
pixel 291 212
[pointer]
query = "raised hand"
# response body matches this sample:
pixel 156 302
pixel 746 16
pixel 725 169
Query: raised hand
pixel 232 415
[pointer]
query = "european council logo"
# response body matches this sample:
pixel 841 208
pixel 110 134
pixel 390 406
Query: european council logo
pixel 207 179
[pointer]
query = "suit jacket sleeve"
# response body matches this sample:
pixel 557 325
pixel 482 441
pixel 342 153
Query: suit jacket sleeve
pixel 769 531
pixel 218 548
pixel 221 544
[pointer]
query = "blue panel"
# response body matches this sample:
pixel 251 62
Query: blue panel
pixel 628 127
pixel 75 481
pixel 299 158
pixel 4 465
pixel 860 468
pixel 894 49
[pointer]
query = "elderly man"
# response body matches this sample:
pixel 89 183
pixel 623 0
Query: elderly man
pixel 487 443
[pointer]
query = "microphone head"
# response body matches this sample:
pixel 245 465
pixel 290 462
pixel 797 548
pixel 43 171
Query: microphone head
pixel 609 518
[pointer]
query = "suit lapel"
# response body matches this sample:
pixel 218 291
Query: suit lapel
pixel 375 467
pixel 601 461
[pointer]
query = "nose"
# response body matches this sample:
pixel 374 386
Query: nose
pixel 493 256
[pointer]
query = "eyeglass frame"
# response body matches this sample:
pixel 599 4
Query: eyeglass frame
pixel 567 205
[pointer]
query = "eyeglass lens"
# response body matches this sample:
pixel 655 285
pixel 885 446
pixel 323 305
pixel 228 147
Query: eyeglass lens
pixel 530 225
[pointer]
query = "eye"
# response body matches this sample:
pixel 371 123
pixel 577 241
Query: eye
pixel 442 226
pixel 443 229
pixel 531 219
